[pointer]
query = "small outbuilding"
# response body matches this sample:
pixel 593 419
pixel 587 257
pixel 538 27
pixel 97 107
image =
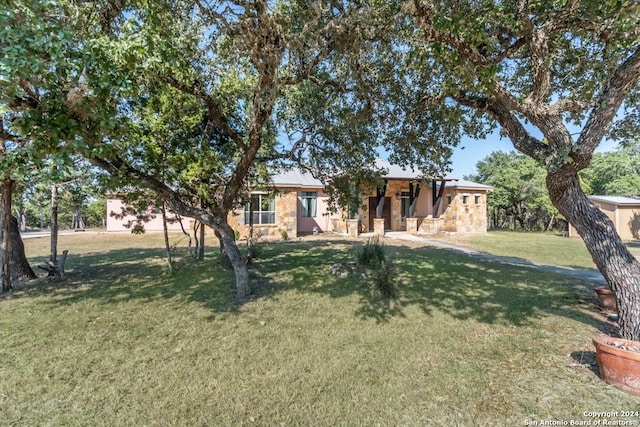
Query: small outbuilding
pixel 624 212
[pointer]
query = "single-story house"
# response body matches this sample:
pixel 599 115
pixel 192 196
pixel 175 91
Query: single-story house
pixel 624 212
pixel 405 202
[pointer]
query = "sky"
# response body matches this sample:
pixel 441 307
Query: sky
pixel 471 151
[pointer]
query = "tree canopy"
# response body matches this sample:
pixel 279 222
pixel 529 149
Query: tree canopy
pixel 206 86
pixel 615 172
pixel 519 198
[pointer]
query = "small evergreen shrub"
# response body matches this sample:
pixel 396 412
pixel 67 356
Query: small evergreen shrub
pixel 371 254
pixel 379 268
pixel 384 280
pixel 284 234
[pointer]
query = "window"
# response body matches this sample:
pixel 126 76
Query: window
pixel 449 200
pixel 309 204
pixel 264 209
pixel 465 200
pixel 404 204
pixel 477 200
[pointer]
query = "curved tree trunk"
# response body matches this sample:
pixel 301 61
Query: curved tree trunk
pixel 228 239
pixel 611 256
pixel 5 244
pixel 19 265
pixel 54 225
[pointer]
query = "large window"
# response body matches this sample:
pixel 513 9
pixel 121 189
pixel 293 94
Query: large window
pixel 264 209
pixel 309 203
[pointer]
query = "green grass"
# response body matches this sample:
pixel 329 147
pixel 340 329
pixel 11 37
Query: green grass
pixel 537 247
pixel 123 343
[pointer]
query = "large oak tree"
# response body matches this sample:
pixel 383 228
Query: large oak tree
pixel 554 75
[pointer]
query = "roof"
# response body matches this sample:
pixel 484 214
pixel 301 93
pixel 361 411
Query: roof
pixel 399 172
pixel 468 185
pixel 616 200
pixel 296 178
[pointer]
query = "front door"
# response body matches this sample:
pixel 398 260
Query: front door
pixel 386 212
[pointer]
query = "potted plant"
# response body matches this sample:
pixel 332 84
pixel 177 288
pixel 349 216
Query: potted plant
pixel 619 362
pixel 606 297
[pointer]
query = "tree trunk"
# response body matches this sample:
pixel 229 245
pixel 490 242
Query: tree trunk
pixel 224 258
pixel 5 224
pixel 54 225
pixel 201 243
pixel 240 268
pixel 165 229
pixel 78 220
pixel 19 265
pixel 611 256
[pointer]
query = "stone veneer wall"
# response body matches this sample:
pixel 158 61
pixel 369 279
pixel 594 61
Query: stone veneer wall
pixel 458 216
pixel 469 217
pixel 286 218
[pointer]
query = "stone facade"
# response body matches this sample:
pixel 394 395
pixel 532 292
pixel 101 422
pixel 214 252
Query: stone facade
pixel 301 210
pixel 460 210
pixel 286 214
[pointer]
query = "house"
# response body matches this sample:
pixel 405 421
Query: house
pixel 624 212
pixel 404 202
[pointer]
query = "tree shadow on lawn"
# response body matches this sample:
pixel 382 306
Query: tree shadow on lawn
pixel 432 279
pixel 117 275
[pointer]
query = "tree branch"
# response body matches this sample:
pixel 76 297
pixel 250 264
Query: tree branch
pixel 117 166
pixel 216 115
pixel 502 113
pixel 625 78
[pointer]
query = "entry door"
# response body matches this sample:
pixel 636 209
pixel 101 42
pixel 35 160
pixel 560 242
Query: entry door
pixel 386 212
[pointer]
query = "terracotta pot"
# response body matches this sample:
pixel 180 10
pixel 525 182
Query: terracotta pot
pixel 606 297
pixel 619 366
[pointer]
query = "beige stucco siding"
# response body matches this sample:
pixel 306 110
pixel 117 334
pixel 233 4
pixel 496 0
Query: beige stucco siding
pixel 115 207
pixel 629 223
pixel 625 218
pixel 322 218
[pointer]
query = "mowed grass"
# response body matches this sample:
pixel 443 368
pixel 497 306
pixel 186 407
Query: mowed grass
pixel 123 343
pixel 546 248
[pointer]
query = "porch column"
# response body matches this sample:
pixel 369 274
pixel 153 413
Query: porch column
pixel 412 225
pixel 437 196
pixel 380 199
pixel 414 193
pixel 352 227
pixel 378 226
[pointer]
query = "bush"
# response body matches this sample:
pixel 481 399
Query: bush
pixel 384 280
pixel 284 234
pixel 371 254
pixel 378 267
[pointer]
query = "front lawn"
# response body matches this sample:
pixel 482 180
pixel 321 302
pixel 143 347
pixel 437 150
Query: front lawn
pixel 122 343
pixel 546 248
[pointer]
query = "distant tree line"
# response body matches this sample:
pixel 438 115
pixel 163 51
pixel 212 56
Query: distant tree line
pixel 79 198
pixel 520 199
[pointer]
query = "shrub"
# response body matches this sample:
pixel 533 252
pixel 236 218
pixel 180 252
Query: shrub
pixel 371 254
pixel 379 268
pixel 284 234
pixel 384 280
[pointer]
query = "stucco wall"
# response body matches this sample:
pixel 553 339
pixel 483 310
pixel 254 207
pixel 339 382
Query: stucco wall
pixel 626 219
pixel 115 206
pixel 629 223
pixel 322 219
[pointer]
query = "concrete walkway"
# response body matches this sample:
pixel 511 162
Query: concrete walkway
pixel 592 275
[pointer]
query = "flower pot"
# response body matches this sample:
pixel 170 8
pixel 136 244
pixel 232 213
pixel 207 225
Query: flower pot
pixel 619 362
pixel 606 297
